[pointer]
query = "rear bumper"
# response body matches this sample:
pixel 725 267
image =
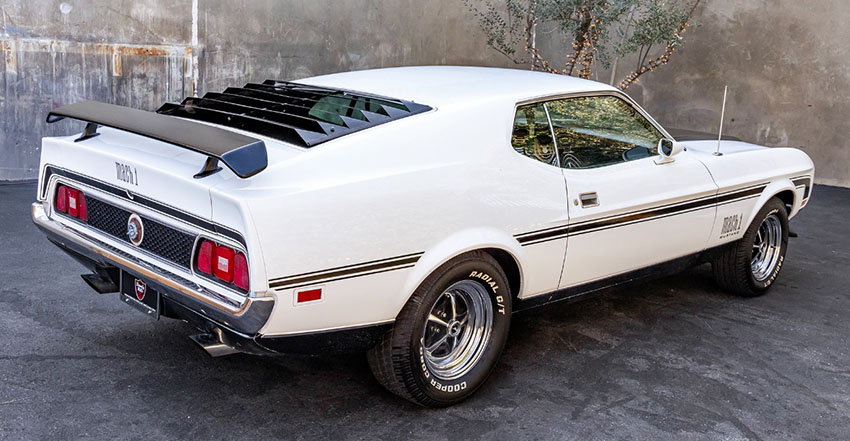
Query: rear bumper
pixel 182 299
pixel 245 320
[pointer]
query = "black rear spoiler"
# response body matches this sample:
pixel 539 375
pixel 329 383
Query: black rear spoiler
pixel 244 155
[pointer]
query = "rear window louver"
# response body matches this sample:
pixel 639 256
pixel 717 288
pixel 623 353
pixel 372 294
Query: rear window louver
pixel 296 113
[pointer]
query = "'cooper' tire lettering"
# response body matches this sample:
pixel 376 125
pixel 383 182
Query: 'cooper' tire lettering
pixel 448 387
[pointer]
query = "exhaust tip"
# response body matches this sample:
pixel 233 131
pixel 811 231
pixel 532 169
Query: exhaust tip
pixel 102 285
pixel 212 344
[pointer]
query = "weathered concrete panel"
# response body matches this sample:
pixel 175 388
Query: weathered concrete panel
pixel 97 21
pixel 294 39
pixel 128 52
pixel 39 75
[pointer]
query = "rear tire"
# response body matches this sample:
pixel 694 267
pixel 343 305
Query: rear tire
pixel 448 337
pixel 749 266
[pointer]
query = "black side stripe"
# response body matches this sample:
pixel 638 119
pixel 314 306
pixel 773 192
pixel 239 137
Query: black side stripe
pixel 804 181
pixel 346 272
pixel 614 216
pixel 343 278
pixel 570 234
pixel 662 211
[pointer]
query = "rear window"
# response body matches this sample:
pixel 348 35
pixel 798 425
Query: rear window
pixel 291 112
pixel 333 107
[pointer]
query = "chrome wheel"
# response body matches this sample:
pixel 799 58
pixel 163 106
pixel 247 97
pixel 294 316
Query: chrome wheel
pixel 767 248
pixel 457 330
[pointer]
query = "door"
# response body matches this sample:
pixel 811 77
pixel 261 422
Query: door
pixel 627 210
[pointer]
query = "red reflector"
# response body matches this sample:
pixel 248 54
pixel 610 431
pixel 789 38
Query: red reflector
pixel 223 263
pixel 309 295
pixel 62 198
pixel 240 272
pixel 73 202
pixel 205 257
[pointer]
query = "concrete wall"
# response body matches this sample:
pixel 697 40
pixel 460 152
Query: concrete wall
pixel 786 62
pixel 142 53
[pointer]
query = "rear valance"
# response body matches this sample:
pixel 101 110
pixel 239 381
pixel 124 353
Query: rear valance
pixel 244 155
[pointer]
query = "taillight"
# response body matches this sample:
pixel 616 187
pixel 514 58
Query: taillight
pixel 83 211
pixel 224 263
pixel 71 201
pixel 62 199
pixel 205 254
pixel 73 207
pixel 240 272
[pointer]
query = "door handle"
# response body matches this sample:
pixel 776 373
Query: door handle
pixel 589 199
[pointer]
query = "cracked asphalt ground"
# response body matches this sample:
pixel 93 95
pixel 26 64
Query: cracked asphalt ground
pixel 670 359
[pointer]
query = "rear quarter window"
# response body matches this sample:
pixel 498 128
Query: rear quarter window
pixel 532 136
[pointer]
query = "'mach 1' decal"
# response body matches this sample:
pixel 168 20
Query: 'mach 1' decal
pixel 126 174
pixel 731 225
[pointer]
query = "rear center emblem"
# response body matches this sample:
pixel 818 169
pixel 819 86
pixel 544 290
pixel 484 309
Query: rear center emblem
pixel 135 229
pixel 141 289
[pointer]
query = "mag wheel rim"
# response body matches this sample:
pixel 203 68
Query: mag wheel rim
pixel 766 248
pixel 457 330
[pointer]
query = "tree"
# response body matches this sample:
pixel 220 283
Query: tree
pixel 600 31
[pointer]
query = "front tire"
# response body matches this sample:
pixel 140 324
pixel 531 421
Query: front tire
pixel 448 337
pixel 749 266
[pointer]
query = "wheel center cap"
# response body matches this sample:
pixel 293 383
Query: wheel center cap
pixel 454 328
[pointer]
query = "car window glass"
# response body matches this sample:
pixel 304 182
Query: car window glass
pixel 532 136
pixel 596 131
pixel 330 108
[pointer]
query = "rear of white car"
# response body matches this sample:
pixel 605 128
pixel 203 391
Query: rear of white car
pixel 159 205
pixel 130 209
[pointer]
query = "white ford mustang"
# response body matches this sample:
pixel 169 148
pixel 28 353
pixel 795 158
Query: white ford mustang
pixel 408 212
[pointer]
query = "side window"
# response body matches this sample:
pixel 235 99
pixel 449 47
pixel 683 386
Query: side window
pixel 596 131
pixel 532 136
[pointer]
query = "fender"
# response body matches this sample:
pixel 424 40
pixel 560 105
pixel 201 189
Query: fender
pixel 458 243
pixel 773 189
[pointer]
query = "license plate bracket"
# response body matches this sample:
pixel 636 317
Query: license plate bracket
pixel 136 292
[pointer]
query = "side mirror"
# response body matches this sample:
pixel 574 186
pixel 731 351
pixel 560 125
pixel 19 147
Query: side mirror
pixel 668 148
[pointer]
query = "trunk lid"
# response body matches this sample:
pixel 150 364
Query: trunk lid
pixel 139 165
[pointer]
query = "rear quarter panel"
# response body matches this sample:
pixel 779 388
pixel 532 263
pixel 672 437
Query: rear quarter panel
pixel 425 184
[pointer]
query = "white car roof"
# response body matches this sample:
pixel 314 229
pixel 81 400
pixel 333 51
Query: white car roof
pixel 442 86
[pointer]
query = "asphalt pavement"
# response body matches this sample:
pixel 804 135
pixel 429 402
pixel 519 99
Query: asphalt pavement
pixel 671 359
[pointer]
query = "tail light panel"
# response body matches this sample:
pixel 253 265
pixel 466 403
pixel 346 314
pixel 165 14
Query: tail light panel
pixel 215 261
pixel 72 202
pixel 222 264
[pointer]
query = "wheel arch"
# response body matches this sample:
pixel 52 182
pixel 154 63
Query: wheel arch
pixel 789 198
pixel 498 244
pixel 511 268
pixel 782 189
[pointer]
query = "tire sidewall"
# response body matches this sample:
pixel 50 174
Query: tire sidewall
pixel 773 207
pixel 493 280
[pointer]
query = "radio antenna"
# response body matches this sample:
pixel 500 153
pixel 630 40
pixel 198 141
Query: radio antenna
pixel 722 117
